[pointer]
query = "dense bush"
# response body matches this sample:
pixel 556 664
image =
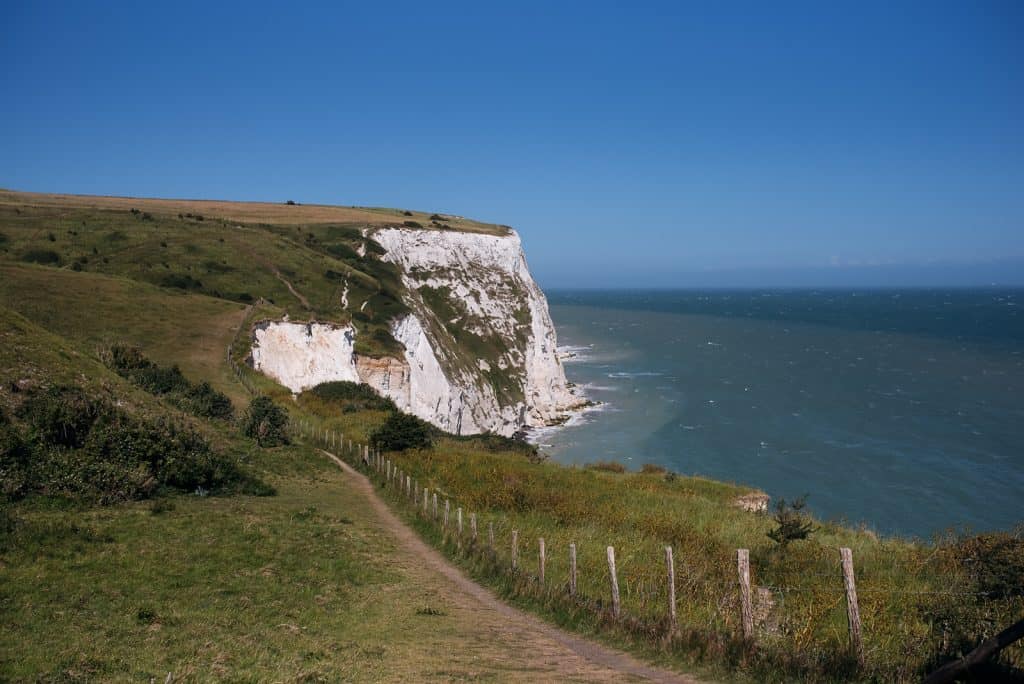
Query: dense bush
pixel 198 399
pixel 342 251
pixel 15 457
pixel 88 449
pixel 412 224
pixel 203 400
pixel 401 431
pixel 180 281
pixel 266 422
pixel 160 380
pixel 352 396
pixel 60 416
pixel 41 256
pixel 791 522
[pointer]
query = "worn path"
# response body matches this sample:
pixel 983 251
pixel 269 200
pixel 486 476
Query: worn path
pixel 552 654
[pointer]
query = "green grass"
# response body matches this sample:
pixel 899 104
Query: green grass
pixel 297 587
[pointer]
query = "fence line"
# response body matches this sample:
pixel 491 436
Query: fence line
pixel 388 475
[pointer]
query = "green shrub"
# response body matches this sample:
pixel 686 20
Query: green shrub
pixel 198 399
pixel 15 459
pixel 60 416
pixel 41 256
pixel 791 523
pixel 342 251
pixel 652 469
pixel 202 400
pixel 401 431
pixel 88 449
pixel 412 224
pixel 352 396
pixel 160 380
pixel 266 422
pixel 180 281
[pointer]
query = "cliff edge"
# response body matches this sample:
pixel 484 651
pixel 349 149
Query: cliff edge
pixel 475 349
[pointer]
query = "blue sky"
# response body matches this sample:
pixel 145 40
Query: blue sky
pixel 631 144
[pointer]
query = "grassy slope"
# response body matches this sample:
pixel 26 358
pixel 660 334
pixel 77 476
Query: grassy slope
pixel 300 586
pixel 96 310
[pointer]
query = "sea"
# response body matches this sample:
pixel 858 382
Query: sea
pixel 899 410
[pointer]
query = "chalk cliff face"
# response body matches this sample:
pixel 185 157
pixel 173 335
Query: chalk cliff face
pixel 480 353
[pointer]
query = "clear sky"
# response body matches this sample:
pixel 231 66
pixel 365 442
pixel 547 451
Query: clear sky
pixel 631 144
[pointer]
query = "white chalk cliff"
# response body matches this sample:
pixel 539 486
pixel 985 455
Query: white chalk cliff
pixel 480 353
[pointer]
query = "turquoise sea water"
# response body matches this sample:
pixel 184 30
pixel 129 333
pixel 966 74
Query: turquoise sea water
pixel 900 409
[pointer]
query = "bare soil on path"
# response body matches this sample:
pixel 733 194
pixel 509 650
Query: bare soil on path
pixel 543 652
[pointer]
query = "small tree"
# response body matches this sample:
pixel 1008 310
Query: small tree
pixel 266 422
pixel 400 432
pixel 792 523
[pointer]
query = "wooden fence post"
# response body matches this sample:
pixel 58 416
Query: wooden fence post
pixel 572 569
pixel 670 566
pixel 490 536
pixel 445 525
pixel 542 563
pixel 472 526
pixel 426 502
pixel 515 549
pixel 852 608
pixel 616 608
pixel 743 568
pixel 458 520
pixel 435 505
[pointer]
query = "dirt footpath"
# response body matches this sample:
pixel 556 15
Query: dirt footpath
pixel 509 645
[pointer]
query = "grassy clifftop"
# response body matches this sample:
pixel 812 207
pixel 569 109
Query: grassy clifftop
pixel 283 213
pixel 309 261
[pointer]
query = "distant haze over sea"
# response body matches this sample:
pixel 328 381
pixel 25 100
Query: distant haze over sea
pixel 661 273
pixel 900 408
